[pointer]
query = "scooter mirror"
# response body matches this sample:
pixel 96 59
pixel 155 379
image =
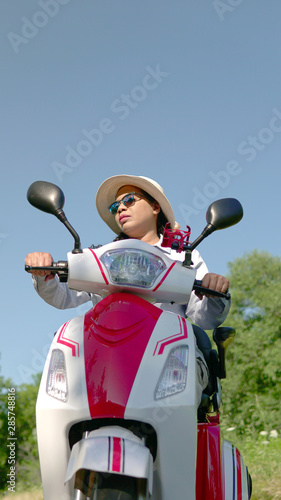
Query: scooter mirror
pixel 49 198
pixel 224 213
pixel 46 197
pixel 220 215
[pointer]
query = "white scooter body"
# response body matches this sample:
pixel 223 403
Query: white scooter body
pixel 104 367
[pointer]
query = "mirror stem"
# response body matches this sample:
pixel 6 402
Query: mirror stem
pixel 77 244
pixel 209 229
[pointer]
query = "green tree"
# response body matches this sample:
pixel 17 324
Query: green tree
pixel 27 462
pixel 252 389
pixel 4 385
pixel 28 471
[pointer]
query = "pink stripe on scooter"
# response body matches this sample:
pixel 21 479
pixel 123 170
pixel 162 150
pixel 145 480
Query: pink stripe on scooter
pixel 116 455
pixel 74 346
pixel 100 267
pixel 239 475
pixel 164 277
pixel 161 344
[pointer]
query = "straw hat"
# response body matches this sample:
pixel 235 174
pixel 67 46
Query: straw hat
pixel 106 195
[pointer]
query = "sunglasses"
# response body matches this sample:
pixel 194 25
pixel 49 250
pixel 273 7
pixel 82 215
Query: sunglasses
pixel 128 200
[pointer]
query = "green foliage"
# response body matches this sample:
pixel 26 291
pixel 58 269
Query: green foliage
pixel 27 462
pixel 252 389
pixel 4 385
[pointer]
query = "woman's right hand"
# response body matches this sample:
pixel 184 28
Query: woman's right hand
pixel 37 259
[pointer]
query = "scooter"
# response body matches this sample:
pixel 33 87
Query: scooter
pixel 117 412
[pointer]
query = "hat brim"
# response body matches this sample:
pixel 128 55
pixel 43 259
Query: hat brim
pixel 106 195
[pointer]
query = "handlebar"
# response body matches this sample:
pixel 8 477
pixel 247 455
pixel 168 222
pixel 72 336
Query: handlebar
pixel 61 269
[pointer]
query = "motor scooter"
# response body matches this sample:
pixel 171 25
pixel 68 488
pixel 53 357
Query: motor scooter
pixel 117 412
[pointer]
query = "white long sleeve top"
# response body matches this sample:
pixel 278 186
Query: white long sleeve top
pixel 207 313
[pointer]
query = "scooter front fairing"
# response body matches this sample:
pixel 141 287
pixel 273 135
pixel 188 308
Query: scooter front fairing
pixel 128 361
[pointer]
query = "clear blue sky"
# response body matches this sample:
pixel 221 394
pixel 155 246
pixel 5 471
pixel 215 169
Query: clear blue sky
pixel 185 92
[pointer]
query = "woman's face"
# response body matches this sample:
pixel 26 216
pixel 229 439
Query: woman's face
pixel 140 219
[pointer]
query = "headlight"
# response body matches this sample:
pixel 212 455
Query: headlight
pixel 174 375
pixel 57 380
pixel 133 267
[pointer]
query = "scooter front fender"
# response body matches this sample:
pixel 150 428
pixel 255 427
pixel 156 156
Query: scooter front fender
pixel 112 450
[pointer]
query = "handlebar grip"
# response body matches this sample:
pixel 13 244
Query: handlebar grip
pixel 60 268
pixel 197 287
pixel 29 269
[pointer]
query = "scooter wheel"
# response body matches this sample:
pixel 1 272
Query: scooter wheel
pixel 250 487
pixel 105 486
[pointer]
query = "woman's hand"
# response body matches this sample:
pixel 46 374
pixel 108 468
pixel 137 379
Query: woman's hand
pixel 214 282
pixel 37 259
